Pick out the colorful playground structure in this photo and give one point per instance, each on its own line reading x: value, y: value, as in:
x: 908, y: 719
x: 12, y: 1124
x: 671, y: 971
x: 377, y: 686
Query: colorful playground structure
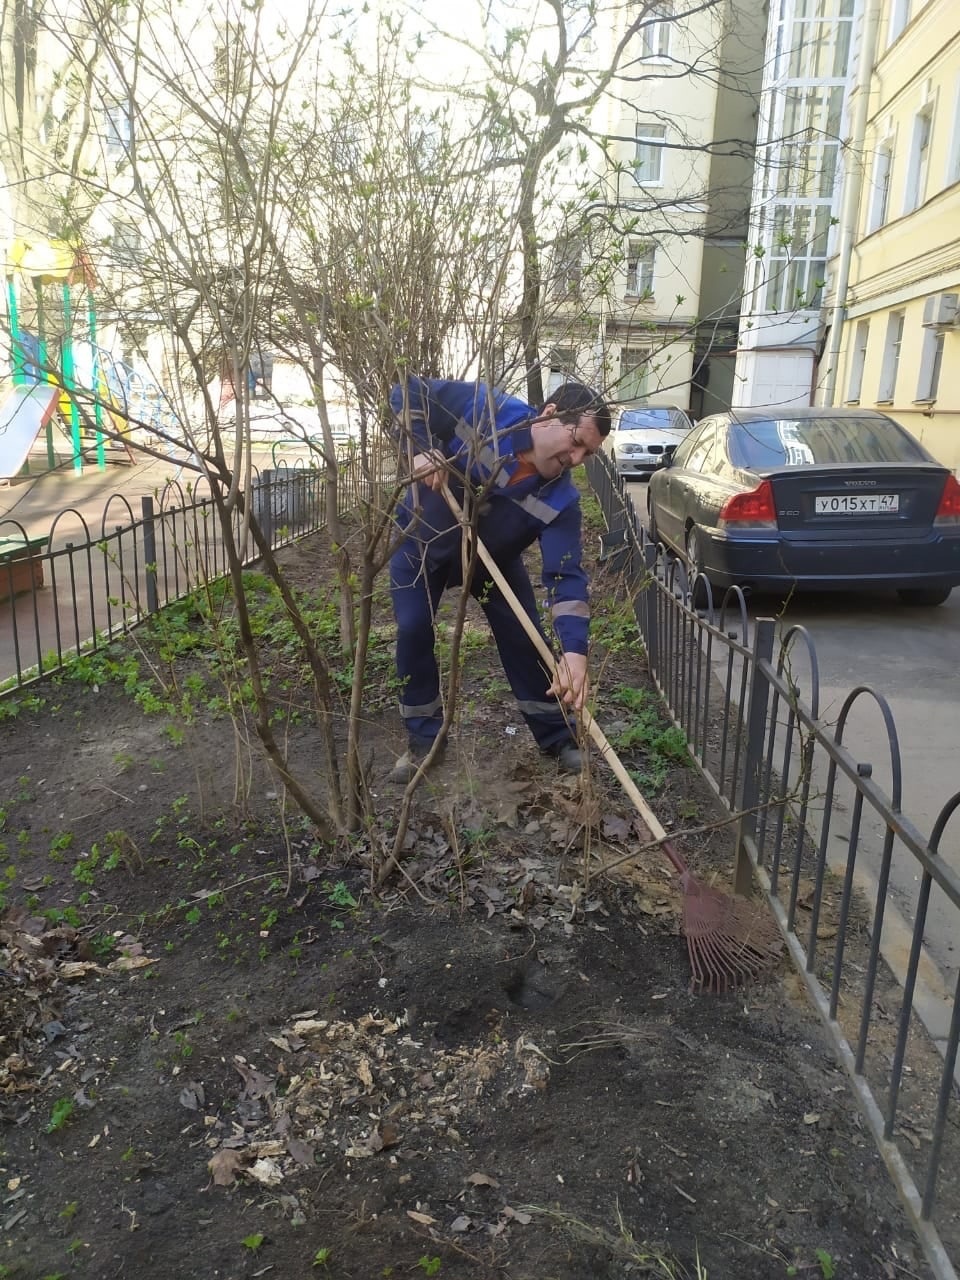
x: 59, y: 376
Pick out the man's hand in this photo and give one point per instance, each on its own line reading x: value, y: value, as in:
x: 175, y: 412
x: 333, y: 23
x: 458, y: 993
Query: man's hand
x: 571, y: 683
x: 429, y: 468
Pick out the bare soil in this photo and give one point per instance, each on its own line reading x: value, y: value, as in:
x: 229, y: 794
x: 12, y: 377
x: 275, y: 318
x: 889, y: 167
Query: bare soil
x: 222, y: 1056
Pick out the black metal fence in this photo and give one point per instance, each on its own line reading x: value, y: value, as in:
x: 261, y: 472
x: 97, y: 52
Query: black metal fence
x: 76, y: 587
x: 847, y: 874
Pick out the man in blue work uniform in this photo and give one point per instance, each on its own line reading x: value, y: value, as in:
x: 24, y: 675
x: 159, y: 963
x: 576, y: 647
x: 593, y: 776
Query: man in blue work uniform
x: 520, y: 460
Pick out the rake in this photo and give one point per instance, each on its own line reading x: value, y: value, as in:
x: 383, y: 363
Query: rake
x: 730, y: 940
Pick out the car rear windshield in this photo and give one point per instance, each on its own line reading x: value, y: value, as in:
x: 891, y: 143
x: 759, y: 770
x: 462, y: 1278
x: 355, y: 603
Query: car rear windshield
x: 802, y: 442
x: 634, y: 419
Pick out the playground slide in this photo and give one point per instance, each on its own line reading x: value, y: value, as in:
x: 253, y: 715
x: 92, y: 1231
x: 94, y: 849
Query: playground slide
x: 24, y: 412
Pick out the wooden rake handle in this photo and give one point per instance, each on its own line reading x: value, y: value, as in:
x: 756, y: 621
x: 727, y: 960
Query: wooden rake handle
x: 596, y: 733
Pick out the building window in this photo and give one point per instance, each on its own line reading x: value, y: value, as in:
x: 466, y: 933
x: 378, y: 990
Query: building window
x: 567, y: 267
x: 640, y: 267
x: 655, y: 33
x: 126, y: 243
x: 880, y: 199
x: 916, y: 188
x: 797, y: 258
x: 119, y: 131
x: 648, y: 160
x: 899, y: 16
x: 858, y: 359
x: 562, y: 367
x: 634, y: 363
x: 953, y: 156
x: 931, y: 360
x: 891, y: 357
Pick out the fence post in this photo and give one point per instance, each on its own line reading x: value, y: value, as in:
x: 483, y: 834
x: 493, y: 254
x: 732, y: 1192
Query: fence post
x: 763, y: 641
x: 263, y: 503
x: 649, y: 608
x: 150, y: 553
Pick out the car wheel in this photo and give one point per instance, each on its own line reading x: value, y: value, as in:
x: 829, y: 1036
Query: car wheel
x: 695, y: 566
x: 651, y: 523
x: 928, y: 596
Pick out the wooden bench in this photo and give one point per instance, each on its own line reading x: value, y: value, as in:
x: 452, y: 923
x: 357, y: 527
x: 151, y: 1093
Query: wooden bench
x: 21, y: 565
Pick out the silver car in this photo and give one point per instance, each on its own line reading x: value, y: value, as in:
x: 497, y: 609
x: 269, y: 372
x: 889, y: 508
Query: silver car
x: 641, y: 434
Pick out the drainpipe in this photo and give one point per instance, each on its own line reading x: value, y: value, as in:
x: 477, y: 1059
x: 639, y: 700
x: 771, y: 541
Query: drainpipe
x: 852, y: 189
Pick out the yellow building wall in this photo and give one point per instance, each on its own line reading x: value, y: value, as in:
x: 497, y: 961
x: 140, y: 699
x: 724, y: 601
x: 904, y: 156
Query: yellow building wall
x: 915, y: 254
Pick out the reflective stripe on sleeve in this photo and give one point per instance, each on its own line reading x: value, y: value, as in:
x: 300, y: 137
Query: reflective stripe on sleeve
x: 571, y: 609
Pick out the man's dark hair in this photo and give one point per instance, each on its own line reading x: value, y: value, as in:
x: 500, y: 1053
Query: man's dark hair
x: 573, y: 400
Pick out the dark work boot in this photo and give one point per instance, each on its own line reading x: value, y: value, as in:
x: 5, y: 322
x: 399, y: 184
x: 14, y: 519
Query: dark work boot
x: 568, y: 756
x: 408, y: 764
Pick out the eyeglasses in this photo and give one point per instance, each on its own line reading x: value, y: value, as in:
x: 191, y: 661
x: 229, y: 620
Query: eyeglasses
x: 574, y: 427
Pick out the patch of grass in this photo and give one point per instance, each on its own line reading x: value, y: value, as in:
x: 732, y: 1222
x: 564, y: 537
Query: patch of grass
x: 663, y: 744
x: 615, y: 628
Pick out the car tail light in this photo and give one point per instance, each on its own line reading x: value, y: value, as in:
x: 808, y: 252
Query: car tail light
x: 948, y: 512
x: 754, y: 510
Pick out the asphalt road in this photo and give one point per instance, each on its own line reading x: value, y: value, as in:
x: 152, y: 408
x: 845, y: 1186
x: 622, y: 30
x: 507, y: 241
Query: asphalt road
x: 912, y: 657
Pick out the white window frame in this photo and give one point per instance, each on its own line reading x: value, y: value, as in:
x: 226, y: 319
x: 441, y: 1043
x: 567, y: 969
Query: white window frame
x: 641, y: 268
x: 931, y: 366
x: 562, y: 367
x: 118, y: 131
x: 953, y: 155
x: 656, y: 33
x: 918, y: 169
x: 567, y: 267
x: 893, y: 341
x: 898, y: 16
x: 880, y: 183
x: 632, y: 360
x: 650, y: 138
x: 858, y: 361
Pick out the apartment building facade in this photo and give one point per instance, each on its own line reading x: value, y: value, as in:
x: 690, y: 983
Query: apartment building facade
x: 899, y: 330
x: 796, y: 199
x: 661, y: 325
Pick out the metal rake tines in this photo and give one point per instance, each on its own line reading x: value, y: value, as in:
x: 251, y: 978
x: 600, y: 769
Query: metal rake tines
x: 730, y: 941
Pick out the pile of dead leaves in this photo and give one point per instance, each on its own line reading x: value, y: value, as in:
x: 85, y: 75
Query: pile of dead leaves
x: 39, y: 963
x: 359, y: 1090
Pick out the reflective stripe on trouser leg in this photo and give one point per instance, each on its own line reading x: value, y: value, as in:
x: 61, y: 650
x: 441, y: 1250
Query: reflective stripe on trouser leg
x: 522, y: 665
x: 415, y: 590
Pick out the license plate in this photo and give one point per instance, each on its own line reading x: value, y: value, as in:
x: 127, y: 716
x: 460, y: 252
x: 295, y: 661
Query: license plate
x: 855, y: 504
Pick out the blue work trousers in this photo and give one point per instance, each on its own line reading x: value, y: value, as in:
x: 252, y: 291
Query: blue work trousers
x: 416, y: 587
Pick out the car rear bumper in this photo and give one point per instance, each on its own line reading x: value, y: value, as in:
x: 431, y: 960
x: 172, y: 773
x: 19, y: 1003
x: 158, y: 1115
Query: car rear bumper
x: 768, y: 564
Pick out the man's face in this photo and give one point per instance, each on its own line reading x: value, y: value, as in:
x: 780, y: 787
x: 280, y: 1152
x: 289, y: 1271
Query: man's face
x: 559, y: 446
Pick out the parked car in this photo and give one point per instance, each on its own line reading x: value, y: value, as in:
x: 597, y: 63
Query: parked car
x: 642, y: 433
x: 810, y: 499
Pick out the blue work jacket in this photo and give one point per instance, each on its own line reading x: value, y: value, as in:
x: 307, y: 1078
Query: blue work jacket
x: 482, y: 433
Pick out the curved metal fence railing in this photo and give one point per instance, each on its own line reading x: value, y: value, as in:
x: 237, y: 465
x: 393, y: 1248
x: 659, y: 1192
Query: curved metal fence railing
x: 825, y: 841
x: 80, y: 584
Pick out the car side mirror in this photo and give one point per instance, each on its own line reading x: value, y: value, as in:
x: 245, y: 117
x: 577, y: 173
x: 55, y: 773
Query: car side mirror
x: 666, y: 458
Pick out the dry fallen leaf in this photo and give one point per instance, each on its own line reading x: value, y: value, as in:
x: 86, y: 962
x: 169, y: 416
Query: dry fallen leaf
x: 301, y: 1151
x: 266, y: 1172
x: 423, y: 1218
x: 124, y: 964
x: 811, y: 1117
x: 225, y: 1166
x: 516, y: 1215
x: 481, y: 1180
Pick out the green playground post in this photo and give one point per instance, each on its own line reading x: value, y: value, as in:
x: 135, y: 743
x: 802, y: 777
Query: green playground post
x: 44, y: 373
x: 16, y: 350
x: 95, y: 374
x: 69, y: 381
